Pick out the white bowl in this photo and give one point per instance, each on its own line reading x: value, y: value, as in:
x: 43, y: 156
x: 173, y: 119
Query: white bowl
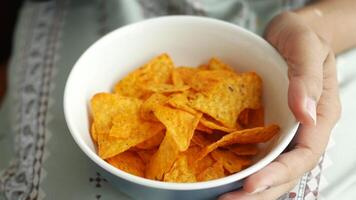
x: 190, y: 41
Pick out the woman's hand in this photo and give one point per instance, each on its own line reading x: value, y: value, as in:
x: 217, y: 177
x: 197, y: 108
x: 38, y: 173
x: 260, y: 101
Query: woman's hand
x: 314, y: 100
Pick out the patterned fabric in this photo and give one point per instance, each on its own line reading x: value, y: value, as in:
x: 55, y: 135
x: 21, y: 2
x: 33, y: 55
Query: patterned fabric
x: 22, y: 178
x: 43, y: 161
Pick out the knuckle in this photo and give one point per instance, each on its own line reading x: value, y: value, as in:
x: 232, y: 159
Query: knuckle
x: 303, y: 35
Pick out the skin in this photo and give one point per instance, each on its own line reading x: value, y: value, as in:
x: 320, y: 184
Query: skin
x: 307, y: 39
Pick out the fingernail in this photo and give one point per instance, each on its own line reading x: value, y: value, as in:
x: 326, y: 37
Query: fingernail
x: 311, y: 108
x: 260, y: 189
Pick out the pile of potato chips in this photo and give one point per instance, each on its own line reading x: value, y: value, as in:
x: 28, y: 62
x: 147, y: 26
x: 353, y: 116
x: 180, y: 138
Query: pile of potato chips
x: 181, y: 124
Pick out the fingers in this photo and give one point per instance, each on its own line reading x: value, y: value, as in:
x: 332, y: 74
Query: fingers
x: 305, y: 54
x: 329, y: 105
x: 268, y: 194
x: 286, y: 167
x: 310, y: 141
x: 306, y: 76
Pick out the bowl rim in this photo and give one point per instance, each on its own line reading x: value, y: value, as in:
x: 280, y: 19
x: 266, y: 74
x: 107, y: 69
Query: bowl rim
x: 168, y: 185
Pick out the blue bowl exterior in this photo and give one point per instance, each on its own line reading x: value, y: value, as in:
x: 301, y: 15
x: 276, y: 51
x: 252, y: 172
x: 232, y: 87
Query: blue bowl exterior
x: 138, y: 192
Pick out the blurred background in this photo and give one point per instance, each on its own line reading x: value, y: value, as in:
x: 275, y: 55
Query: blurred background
x: 8, y: 16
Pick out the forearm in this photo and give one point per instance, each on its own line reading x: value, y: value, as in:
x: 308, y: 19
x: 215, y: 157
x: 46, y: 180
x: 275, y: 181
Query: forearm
x: 334, y: 21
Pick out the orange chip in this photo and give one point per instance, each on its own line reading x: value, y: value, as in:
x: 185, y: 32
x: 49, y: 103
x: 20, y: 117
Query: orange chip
x: 203, y: 67
x: 129, y: 162
x: 243, y: 118
x: 146, y: 155
x: 180, y: 101
x: 201, y: 140
x: 104, y: 107
x: 197, y: 166
x: 152, y: 142
x: 214, y: 172
x: 229, y: 97
x: 230, y: 161
x: 246, y: 136
x: 109, y: 146
x: 163, y: 159
x: 205, y: 80
x: 156, y: 71
x: 244, y: 149
x: 179, y: 124
x: 127, y: 119
x: 204, y: 129
x: 251, y: 118
x: 180, y: 172
x: 128, y: 123
x: 94, y: 134
x: 256, y: 118
x: 166, y: 88
x: 192, y: 153
x: 201, y: 165
x: 150, y: 105
x: 176, y: 78
x: 211, y: 124
x: 186, y: 73
x: 216, y: 64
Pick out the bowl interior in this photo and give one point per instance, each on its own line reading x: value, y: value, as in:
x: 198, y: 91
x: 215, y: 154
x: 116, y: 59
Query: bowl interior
x: 190, y: 41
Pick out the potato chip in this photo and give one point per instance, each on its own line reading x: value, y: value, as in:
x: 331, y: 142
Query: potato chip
x: 216, y: 64
x: 157, y: 71
x: 166, y: 88
x: 152, y: 142
x: 150, y: 105
x: 246, y: 136
x: 216, y: 126
x: 180, y: 172
x: 129, y: 162
x: 229, y: 97
x: 214, y: 172
x: 179, y: 124
x: 231, y: 162
x: 244, y: 149
x: 163, y: 159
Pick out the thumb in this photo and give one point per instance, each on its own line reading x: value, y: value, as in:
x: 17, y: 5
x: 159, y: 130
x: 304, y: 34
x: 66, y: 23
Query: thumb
x: 302, y: 100
x: 305, y: 53
x: 306, y: 83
